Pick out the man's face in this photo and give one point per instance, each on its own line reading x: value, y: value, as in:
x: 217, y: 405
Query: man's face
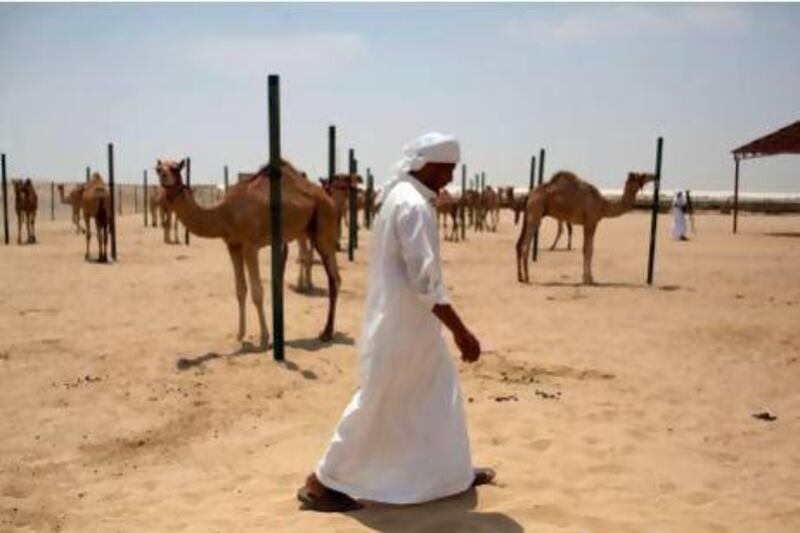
x: 435, y: 175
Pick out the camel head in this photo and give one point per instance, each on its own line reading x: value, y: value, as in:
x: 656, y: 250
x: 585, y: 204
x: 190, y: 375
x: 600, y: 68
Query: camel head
x: 637, y: 180
x: 169, y: 176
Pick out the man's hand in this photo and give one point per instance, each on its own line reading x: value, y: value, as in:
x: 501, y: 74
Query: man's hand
x: 465, y: 340
x: 469, y: 346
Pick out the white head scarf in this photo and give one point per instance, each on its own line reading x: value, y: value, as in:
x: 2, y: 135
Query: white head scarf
x: 429, y: 148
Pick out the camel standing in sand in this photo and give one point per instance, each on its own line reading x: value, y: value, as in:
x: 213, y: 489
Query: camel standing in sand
x: 518, y: 203
x: 447, y: 206
x: 160, y: 207
x: 567, y: 198
x: 490, y: 206
x: 26, y: 203
x: 242, y: 220
x: 73, y: 199
x: 96, y: 204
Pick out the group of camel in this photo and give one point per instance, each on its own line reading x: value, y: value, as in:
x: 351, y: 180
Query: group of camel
x: 313, y: 215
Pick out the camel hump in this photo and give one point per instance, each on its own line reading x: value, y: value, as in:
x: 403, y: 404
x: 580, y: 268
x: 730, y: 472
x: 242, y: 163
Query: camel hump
x: 564, y: 176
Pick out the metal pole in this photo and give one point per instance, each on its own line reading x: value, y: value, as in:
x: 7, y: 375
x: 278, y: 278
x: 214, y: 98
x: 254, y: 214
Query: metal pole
x: 88, y: 173
x: 146, y: 206
x: 189, y: 185
x: 113, y: 213
x: 226, y: 179
x: 331, y: 173
x: 135, y: 199
x: 536, y: 232
x: 352, y: 208
x: 532, y: 182
x: 52, y: 201
x: 275, y: 204
x: 368, y: 200
x: 463, y: 202
x: 5, y: 199
x: 654, y: 216
x: 736, y: 197
x: 119, y: 197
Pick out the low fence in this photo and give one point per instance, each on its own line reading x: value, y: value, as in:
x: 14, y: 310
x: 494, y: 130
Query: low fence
x: 129, y: 199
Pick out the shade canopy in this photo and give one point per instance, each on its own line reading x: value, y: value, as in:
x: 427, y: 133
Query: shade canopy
x: 783, y: 141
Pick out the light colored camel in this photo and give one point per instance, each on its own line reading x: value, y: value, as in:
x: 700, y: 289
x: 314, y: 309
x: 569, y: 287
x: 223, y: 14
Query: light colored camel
x: 567, y: 198
x: 518, y: 203
x: 96, y: 204
x: 73, y: 199
x: 26, y: 203
x: 152, y: 199
x: 447, y: 206
x: 242, y: 220
x: 159, y: 206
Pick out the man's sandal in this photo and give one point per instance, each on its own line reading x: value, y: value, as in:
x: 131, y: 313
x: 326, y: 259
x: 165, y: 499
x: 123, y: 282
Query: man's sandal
x: 331, y: 501
x: 483, y: 476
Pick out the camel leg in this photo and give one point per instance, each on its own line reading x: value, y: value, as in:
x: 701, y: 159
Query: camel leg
x: 256, y: 290
x: 99, y: 230
x: 530, y: 224
x: 175, y: 238
x: 87, y: 221
x: 237, y: 260
x: 32, y: 227
x: 305, y: 258
x: 332, y: 271
x: 558, y: 235
x: 569, y: 236
x: 588, y: 250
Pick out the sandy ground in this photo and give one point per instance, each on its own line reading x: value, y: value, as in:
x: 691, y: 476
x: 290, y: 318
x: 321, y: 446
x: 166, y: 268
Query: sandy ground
x: 128, y: 405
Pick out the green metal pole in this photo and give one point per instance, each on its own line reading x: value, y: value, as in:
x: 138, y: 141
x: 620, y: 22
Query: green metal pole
x: 113, y: 220
x: 5, y: 199
x: 52, y: 201
x: 463, y: 202
x: 189, y: 185
x: 352, y: 207
x: 654, y: 215
x: 88, y: 173
x: 275, y: 208
x: 736, y: 197
x: 146, y: 206
x: 226, y: 179
x: 540, y: 181
x: 368, y: 200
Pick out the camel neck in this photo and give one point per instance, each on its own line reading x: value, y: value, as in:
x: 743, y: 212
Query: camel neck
x: 198, y: 220
x: 621, y: 206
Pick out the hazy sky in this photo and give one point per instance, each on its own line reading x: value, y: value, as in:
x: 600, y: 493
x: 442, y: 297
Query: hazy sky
x: 593, y: 84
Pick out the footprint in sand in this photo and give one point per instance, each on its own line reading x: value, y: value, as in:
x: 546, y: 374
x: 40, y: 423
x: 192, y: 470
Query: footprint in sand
x: 541, y: 444
x: 699, y: 498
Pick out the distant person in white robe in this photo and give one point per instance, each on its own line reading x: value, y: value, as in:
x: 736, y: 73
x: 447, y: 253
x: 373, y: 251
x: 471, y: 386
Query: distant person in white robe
x: 679, y: 204
x: 403, y: 437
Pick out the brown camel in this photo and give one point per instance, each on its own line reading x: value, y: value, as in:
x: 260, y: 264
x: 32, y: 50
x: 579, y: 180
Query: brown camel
x: 26, y: 202
x: 447, y: 206
x: 558, y: 235
x: 73, y: 199
x: 518, y: 203
x: 96, y: 203
x: 338, y: 188
x: 242, y: 220
x: 152, y: 199
x: 490, y: 206
x: 567, y: 198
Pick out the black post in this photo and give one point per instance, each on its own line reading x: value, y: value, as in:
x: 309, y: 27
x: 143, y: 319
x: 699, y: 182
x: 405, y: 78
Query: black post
x: 536, y: 232
x: 113, y: 221
x: 135, y: 199
x: 52, y: 201
x: 463, y: 202
x: 331, y: 173
x: 119, y: 197
x: 654, y: 216
x: 226, y: 179
x: 146, y: 205
x: 88, y: 173
x: 352, y: 207
x: 189, y: 185
x: 368, y: 200
x: 5, y: 199
x: 275, y: 204
x: 532, y: 182
x: 736, y: 196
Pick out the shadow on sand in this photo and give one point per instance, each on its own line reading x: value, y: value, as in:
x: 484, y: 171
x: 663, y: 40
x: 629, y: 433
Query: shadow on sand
x: 790, y: 234
x: 312, y: 344
x: 450, y: 514
x: 186, y: 363
x: 314, y: 292
x: 605, y: 285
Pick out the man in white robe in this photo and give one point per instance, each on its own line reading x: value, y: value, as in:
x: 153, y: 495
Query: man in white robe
x: 679, y: 216
x: 403, y: 438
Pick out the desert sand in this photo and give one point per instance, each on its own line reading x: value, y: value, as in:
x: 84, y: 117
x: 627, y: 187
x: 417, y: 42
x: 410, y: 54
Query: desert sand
x: 126, y: 403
